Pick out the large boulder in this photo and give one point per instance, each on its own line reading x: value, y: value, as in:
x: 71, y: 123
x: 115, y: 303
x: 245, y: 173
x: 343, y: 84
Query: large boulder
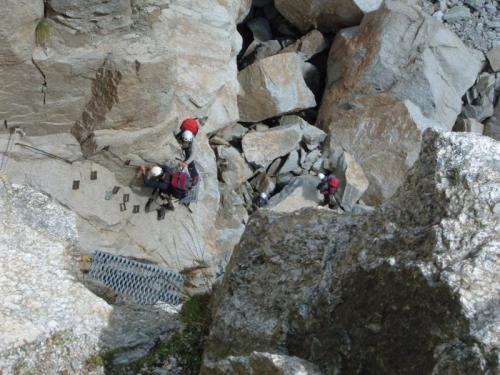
x: 262, y: 147
x: 396, y: 74
x: 233, y: 168
x: 272, y: 87
x: 411, y: 288
x: 327, y: 16
x: 49, y: 321
x: 299, y: 193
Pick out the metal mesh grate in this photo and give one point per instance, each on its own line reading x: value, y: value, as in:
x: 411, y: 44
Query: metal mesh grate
x: 192, y: 195
x: 141, y: 283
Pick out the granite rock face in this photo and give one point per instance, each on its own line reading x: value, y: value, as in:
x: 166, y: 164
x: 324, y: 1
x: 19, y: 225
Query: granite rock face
x: 395, y: 75
x: 411, y: 288
x: 50, y: 321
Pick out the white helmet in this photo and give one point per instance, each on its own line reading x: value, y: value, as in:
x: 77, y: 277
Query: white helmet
x: 321, y: 176
x: 263, y: 195
x: 156, y: 171
x: 187, y: 136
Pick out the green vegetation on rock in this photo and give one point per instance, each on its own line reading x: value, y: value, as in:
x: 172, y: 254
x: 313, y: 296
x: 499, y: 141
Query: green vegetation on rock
x: 185, y: 346
x: 42, y: 31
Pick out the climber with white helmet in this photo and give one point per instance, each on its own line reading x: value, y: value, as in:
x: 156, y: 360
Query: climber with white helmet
x: 158, y: 178
x: 189, y: 146
x: 259, y: 201
x: 328, y: 187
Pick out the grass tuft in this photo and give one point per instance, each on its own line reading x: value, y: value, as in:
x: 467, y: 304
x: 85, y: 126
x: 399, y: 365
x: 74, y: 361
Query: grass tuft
x: 42, y: 32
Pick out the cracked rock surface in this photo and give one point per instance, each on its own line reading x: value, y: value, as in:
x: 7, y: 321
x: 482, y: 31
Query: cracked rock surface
x: 412, y: 288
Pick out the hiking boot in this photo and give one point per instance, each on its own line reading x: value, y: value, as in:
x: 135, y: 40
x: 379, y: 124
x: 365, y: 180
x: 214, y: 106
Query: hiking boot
x: 161, y: 213
x: 148, y: 204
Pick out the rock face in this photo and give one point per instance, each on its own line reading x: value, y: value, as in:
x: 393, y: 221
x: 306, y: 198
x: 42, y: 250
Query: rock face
x: 50, y: 322
x: 81, y: 75
x: 261, y: 148
x: 119, y: 77
x: 397, y: 74
x: 412, y: 288
x: 327, y: 16
x: 273, y: 86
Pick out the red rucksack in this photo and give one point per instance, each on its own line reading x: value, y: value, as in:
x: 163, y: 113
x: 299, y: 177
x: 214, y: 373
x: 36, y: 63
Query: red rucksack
x: 180, y: 183
x: 190, y: 124
x: 333, y: 184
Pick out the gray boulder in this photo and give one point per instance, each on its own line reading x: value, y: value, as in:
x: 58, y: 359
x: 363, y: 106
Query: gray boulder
x: 291, y: 163
x: 262, y: 183
x: 411, y: 288
x: 326, y: 16
x: 493, y: 56
x: 311, y: 134
x: 353, y: 181
x: 309, y: 45
x: 232, y: 133
x: 273, y: 86
x: 376, y: 110
x: 481, y: 98
x: 301, y: 192
x: 233, y: 167
x: 262, y: 147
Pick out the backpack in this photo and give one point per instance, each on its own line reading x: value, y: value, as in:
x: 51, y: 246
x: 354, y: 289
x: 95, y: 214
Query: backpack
x: 180, y: 183
x: 333, y: 184
x: 190, y: 124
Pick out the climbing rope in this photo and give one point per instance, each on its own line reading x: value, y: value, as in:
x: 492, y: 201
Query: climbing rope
x: 43, y: 152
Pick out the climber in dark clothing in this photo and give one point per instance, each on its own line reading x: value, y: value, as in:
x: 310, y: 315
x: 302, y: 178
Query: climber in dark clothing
x: 158, y: 178
x: 189, y: 147
x: 328, y: 187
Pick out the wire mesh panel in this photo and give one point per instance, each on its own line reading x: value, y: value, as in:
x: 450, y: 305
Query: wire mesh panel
x: 141, y: 283
x: 192, y: 195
